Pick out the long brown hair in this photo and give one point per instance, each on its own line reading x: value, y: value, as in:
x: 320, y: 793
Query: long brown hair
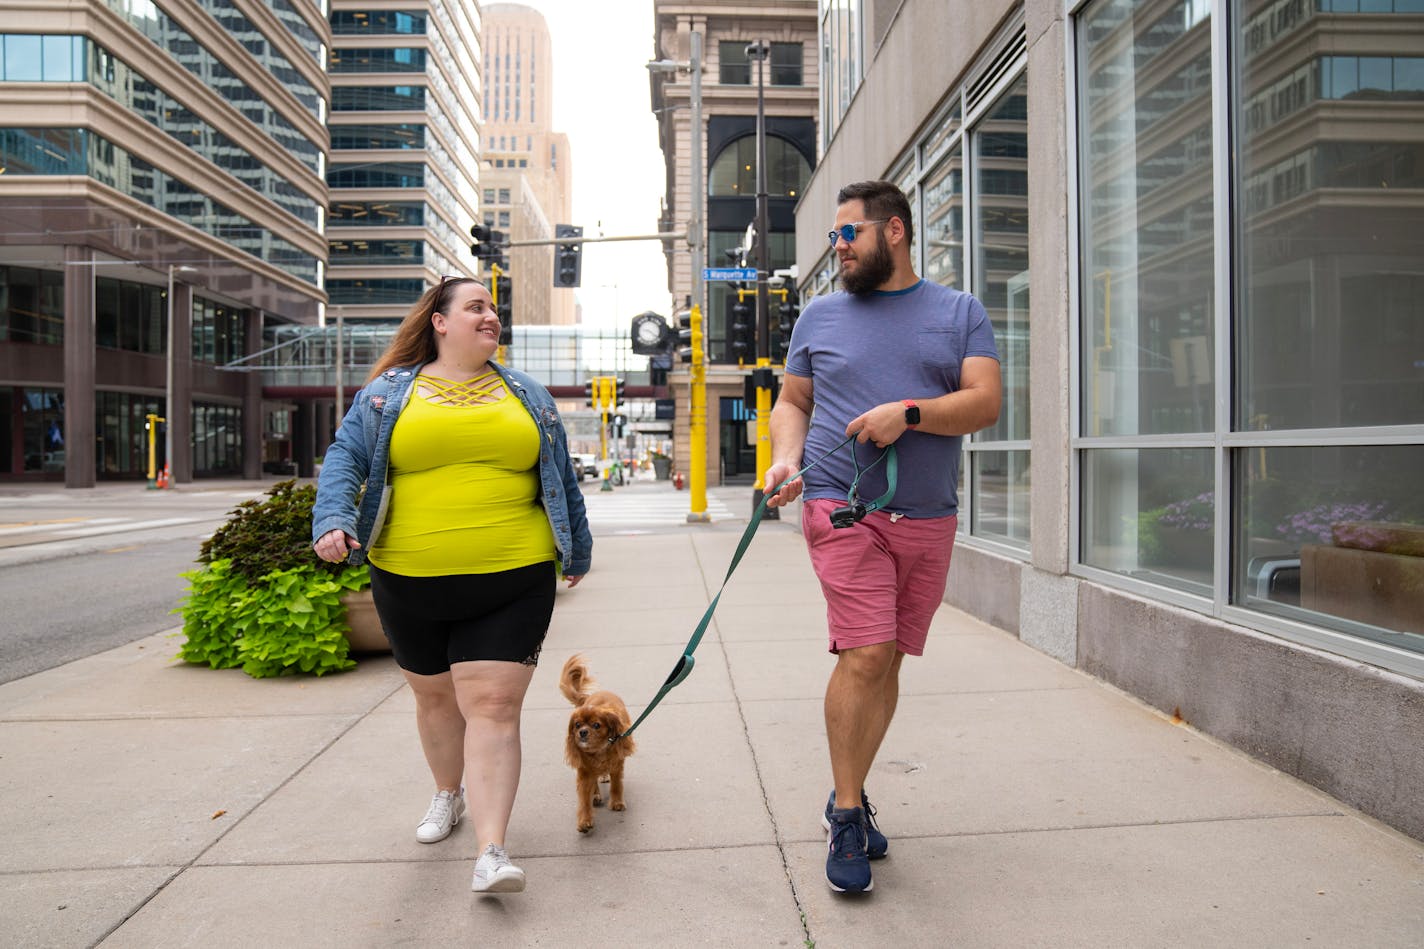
x: 414, y: 342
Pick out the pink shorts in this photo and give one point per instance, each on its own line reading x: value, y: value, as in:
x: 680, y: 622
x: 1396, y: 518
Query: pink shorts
x: 883, y: 579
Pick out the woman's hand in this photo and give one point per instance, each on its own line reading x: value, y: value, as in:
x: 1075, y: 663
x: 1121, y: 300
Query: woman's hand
x: 573, y: 581
x: 334, y: 545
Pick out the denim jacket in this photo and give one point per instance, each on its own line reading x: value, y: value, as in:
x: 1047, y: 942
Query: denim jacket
x: 360, y: 457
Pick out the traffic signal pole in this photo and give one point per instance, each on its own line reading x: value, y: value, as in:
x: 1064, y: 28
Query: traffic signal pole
x: 761, y: 375
x: 697, y: 398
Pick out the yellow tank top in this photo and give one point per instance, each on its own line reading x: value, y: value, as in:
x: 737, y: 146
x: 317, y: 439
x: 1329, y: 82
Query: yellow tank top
x: 464, y: 475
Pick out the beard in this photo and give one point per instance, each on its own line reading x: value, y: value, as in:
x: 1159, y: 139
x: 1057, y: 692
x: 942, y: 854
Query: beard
x: 872, y: 269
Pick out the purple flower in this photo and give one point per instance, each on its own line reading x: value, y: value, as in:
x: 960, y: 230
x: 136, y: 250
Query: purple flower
x: 1313, y: 526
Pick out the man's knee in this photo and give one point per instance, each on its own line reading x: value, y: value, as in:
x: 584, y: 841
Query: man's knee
x: 868, y: 664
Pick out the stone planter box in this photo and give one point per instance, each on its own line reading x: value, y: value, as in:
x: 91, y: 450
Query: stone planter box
x: 366, y: 634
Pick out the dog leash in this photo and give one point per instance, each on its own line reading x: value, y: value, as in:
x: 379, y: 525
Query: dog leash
x: 683, y: 668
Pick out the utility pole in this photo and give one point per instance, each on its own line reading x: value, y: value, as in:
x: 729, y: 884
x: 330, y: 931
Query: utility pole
x: 762, y: 375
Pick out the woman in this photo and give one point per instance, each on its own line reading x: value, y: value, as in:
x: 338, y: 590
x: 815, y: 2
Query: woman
x: 470, y: 504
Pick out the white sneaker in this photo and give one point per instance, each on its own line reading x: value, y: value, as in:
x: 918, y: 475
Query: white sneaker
x: 495, y: 874
x: 445, y: 812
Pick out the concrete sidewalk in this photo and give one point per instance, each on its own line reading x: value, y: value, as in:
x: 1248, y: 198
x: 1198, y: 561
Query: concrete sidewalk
x: 149, y: 803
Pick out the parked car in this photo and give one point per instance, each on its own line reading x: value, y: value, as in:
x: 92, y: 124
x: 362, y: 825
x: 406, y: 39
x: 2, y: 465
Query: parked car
x: 585, y: 466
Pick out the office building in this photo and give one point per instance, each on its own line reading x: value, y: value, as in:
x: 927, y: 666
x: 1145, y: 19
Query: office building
x: 161, y: 166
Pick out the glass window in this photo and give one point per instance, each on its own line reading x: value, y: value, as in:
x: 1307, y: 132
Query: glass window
x: 401, y: 59
x: 943, y: 223
x: 376, y: 22
x: 389, y: 291
x: 24, y: 58
x: 1149, y: 513
x: 1001, y: 282
x: 734, y: 67
x: 377, y: 252
x: 217, y: 439
x: 842, y: 65
x: 733, y: 172
x: 376, y: 175
x: 1147, y: 281
x: 1331, y: 272
x: 785, y: 64
x: 401, y: 135
x: 121, y: 430
x: 377, y: 98
x: 42, y: 430
x: 1334, y: 536
x: 376, y: 213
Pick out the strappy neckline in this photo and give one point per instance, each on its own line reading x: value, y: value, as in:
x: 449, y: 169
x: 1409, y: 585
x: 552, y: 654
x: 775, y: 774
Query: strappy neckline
x: 485, y: 389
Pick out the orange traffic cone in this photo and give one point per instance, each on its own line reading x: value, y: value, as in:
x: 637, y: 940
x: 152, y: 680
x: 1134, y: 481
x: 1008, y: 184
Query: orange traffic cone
x: 163, y: 477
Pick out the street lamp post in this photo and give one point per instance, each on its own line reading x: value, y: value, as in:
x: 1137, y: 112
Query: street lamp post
x: 761, y: 375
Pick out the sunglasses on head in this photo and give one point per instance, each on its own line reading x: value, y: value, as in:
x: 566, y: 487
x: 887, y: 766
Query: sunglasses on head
x: 849, y: 232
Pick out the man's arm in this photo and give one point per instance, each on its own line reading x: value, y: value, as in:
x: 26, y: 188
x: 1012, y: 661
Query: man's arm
x: 970, y: 408
x: 790, y: 421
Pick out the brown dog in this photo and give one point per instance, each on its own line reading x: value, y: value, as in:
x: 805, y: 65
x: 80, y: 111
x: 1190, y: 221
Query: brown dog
x: 597, y: 717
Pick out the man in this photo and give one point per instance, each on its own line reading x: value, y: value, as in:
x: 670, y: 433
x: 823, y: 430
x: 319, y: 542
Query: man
x: 894, y: 360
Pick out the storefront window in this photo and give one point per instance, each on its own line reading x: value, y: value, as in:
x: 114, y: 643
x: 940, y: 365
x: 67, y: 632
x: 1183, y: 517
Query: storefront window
x: 1001, y: 269
x: 943, y: 225
x: 42, y: 430
x: 1330, y: 328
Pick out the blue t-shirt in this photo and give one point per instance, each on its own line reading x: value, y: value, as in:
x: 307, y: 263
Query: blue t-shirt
x: 862, y: 350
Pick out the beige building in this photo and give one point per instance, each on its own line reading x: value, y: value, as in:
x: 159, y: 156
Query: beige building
x: 527, y: 175
x: 790, y: 75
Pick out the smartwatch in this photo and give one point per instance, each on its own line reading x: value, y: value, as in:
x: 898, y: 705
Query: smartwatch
x: 912, y: 413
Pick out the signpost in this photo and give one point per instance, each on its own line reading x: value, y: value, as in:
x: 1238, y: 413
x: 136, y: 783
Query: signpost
x: 729, y: 273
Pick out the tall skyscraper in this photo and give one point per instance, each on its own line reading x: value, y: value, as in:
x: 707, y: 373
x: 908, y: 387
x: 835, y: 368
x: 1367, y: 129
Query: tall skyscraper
x: 405, y: 140
x: 527, y: 176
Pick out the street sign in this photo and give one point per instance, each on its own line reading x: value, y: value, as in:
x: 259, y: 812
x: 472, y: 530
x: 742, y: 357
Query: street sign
x: 729, y: 273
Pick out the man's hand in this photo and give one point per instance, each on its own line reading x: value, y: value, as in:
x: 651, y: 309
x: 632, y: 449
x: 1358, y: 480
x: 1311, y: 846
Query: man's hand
x: 882, y: 425
x: 776, y: 474
x: 334, y: 544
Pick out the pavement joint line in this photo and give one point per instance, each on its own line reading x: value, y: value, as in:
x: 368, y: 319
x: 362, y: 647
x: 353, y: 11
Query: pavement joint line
x: 776, y: 835
x: 184, y: 868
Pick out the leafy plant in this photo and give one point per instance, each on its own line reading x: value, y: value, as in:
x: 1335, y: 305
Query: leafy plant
x: 265, y: 602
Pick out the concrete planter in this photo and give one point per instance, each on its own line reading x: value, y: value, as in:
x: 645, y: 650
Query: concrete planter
x: 366, y: 634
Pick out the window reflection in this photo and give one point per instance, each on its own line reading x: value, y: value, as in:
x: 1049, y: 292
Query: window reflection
x: 1329, y: 228
x: 1335, y: 534
x: 1147, y: 282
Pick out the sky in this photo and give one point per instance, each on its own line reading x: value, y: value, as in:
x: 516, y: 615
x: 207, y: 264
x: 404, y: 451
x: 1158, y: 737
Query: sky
x: 601, y: 102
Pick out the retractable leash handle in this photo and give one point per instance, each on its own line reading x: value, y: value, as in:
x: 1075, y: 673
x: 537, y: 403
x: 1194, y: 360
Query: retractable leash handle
x: 684, y: 665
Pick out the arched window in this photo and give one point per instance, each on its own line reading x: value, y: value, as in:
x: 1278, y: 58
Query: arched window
x: 734, y: 172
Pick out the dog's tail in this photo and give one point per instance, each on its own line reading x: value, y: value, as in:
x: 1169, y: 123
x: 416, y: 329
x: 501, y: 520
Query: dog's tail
x: 576, y: 682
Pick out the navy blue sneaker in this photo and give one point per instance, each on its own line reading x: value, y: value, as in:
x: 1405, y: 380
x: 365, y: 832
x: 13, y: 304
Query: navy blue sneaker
x: 876, y: 845
x: 847, y: 866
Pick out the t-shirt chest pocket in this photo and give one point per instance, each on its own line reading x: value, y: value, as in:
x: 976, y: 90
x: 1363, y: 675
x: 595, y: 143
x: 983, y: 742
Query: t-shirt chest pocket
x: 942, y: 348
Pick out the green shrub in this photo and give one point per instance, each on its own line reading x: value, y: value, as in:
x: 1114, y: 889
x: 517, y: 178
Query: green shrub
x: 264, y: 601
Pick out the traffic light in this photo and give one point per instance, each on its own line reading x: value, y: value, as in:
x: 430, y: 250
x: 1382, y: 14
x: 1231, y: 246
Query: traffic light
x: 684, y: 335
x: 617, y: 392
x: 743, y: 330
x: 568, y: 258
x: 481, y: 246
x: 590, y: 392
x: 504, y: 306
x: 488, y: 245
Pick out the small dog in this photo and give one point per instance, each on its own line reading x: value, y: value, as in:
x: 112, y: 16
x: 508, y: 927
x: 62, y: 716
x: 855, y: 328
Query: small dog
x: 597, y: 717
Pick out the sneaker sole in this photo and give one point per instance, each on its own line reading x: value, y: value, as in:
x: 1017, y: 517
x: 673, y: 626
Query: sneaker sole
x: 839, y: 889
x: 501, y: 884
x: 826, y: 826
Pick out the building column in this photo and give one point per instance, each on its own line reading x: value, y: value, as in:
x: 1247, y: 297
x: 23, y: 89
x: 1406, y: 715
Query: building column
x: 180, y: 414
x: 253, y: 422
x: 79, y: 426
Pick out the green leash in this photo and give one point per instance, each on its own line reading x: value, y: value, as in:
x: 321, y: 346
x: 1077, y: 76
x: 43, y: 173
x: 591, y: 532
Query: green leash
x: 683, y: 668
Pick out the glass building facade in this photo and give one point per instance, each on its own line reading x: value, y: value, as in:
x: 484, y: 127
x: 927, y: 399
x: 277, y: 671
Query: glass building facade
x: 164, y: 196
